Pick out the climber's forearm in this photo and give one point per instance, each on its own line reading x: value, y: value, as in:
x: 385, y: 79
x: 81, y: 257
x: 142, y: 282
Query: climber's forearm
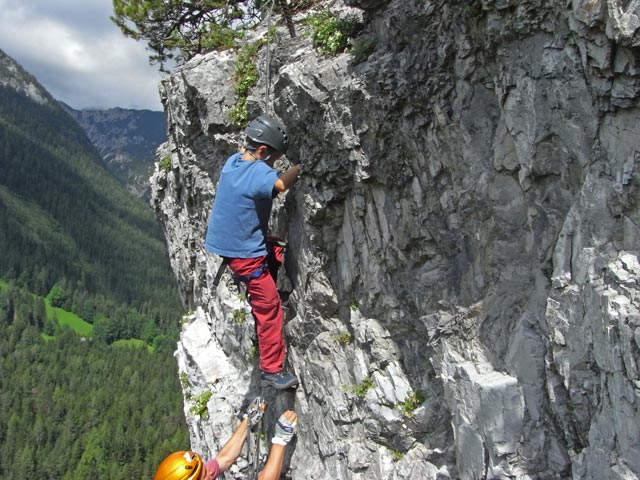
x: 232, y: 449
x: 287, y: 179
x: 273, y: 467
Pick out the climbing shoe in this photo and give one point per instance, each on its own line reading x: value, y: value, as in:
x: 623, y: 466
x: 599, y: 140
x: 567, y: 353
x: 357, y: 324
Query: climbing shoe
x: 279, y: 381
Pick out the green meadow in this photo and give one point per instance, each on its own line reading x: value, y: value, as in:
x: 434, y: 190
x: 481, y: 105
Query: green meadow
x: 64, y: 317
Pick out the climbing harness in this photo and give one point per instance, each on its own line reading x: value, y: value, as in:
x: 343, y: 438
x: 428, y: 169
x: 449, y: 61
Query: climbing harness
x: 271, y: 242
x: 221, y: 269
x: 255, y: 274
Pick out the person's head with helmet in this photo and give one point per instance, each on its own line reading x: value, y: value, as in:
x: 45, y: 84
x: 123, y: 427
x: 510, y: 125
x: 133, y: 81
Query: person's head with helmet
x: 189, y: 465
x: 183, y: 465
x: 267, y: 139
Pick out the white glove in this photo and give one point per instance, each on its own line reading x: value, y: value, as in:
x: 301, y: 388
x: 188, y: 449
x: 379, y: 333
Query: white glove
x: 285, y: 430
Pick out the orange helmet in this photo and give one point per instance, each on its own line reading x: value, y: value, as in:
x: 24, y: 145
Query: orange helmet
x: 183, y: 465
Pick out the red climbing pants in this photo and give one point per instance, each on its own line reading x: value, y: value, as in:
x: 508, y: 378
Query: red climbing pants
x: 266, y: 308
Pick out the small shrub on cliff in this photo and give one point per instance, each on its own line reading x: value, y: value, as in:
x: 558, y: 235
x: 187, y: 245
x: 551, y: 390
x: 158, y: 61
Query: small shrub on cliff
x: 184, y: 380
x: 165, y: 163
x: 330, y: 34
x: 200, y: 408
x: 238, y: 113
x: 397, y: 455
x: 362, y: 48
x: 252, y: 353
x: 344, y: 338
x: 246, y: 74
x: 413, y: 401
x: 239, y: 317
x: 246, y: 77
x: 360, y: 390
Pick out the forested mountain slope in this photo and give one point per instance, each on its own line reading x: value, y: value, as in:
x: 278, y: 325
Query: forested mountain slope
x: 62, y: 214
x: 105, y: 403
x: 77, y: 409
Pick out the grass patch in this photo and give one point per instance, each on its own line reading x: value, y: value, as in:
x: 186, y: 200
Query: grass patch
x: 3, y: 285
x: 133, y: 343
x: 63, y: 317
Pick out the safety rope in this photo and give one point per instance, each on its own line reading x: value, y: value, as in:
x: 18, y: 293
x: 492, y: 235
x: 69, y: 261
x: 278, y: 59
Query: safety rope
x: 255, y: 437
x: 267, y: 103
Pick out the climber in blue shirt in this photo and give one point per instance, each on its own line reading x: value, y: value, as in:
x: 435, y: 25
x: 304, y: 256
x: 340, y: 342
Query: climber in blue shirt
x: 238, y: 231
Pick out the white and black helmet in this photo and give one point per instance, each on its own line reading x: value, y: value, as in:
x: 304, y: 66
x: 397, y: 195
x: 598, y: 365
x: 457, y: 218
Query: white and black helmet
x: 268, y: 131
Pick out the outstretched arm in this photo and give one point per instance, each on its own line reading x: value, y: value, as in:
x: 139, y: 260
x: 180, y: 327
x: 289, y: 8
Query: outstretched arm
x: 232, y: 449
x: 285, y: 430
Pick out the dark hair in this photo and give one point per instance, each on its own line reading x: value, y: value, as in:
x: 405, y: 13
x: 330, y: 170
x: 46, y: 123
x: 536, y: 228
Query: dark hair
x: 253, y: 146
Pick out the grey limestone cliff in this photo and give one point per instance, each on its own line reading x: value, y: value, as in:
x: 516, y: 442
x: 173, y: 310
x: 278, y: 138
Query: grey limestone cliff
x: 463, y: 243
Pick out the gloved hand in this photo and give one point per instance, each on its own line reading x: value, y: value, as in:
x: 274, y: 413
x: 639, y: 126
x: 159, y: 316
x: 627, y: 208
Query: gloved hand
x: 285, y: 428
x: 255, y: 411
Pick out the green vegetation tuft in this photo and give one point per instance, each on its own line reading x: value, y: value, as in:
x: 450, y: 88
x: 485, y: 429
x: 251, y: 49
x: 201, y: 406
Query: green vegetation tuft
x: 414, y: 400
x: 362, y: 48
x: 330, y: 34
x: 239, y: 317
x: 239, y: 114
x: 252, y: 353
x: 397, y: 455
x: 343, y: 338
x: 245, y: 77
x: 165, y: 163
x: 360, y: 390
x: 246, y: 73
x: 200, y: 408
x: 184, y: 381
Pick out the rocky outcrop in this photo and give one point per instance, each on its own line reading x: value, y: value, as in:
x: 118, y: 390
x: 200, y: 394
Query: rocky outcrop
x: 127, y: 141
x: 14, y: 77
x: 464, y: 242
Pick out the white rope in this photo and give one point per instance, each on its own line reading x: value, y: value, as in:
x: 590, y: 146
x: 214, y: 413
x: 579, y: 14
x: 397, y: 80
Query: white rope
x: 268, y: 62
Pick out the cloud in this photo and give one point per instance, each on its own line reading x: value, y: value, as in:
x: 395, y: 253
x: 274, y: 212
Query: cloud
x: 78, y: 54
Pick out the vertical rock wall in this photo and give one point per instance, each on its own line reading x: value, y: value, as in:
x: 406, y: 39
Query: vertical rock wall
x: 463, y: 262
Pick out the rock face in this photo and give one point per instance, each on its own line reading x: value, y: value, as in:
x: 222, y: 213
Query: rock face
x: 464, y: 242
x: 127, y: 141
x: 14, y: 77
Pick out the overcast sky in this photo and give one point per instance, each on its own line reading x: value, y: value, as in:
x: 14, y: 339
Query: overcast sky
x: 78, y: 54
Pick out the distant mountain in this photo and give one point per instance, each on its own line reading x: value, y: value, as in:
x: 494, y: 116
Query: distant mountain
x: 63, y: 215
x: 127, y: 141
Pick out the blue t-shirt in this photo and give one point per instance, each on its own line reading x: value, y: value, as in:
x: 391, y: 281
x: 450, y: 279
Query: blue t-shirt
x: 241, y: 210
